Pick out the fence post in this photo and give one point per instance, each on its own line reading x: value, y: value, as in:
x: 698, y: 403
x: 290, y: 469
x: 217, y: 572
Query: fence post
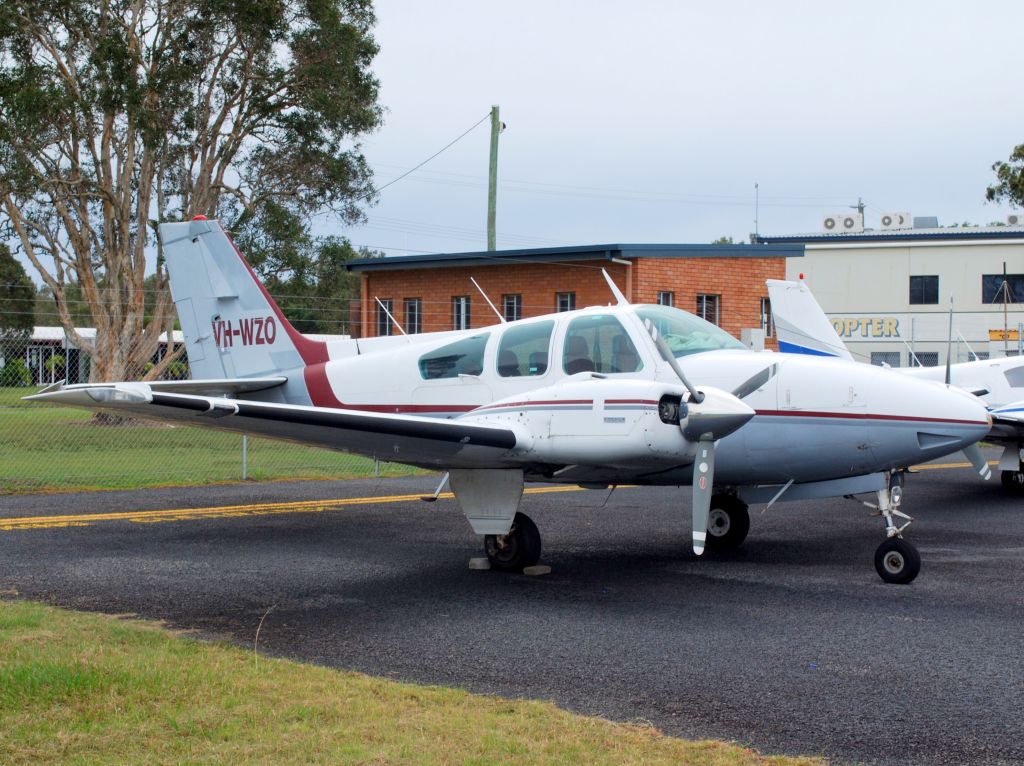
x: 245, y: 457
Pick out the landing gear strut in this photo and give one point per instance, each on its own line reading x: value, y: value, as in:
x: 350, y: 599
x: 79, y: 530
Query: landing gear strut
x: 728, y: 522
x: 519, y: 549
x: 896, y: 560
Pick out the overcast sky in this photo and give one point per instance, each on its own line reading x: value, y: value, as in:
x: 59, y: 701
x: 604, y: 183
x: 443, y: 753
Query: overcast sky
x: 652, y: 121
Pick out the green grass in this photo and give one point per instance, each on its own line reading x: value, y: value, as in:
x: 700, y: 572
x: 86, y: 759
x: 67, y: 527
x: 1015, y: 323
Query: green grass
x: 84, y: 688
x: 43, y: 447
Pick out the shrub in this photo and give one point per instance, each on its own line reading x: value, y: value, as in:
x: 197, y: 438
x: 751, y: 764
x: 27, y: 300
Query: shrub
x: 15, y: 374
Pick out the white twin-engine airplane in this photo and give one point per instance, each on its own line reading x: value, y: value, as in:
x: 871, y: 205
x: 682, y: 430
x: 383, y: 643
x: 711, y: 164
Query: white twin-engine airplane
x: 596, y: 397
x: 803, y: 328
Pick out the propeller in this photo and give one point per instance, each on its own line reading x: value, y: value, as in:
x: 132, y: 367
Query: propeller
x: 977, y: 459
x: 711, y: 415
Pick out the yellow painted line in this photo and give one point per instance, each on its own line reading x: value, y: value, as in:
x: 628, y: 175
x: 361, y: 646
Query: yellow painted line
x: 940, y: 466
x: 227, y: 511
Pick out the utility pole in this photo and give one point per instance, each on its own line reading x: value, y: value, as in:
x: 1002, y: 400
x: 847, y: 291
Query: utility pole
x: 492, y: 180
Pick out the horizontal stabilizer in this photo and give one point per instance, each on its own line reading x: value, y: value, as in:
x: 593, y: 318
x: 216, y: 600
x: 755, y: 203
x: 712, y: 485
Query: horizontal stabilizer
x: 221, y: 387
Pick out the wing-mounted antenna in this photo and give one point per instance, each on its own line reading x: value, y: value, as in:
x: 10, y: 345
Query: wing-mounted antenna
x: 619, y: 297
x: 381, y: 304
x: 495, y: 310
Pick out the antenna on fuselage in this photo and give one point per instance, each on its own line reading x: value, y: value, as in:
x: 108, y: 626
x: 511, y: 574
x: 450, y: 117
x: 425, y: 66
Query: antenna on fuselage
x: 493, y: 308
x: 379, y: 303
x: 619, y: 297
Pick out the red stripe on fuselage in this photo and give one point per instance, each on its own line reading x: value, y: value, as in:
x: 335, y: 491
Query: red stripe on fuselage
x: 864, y: 416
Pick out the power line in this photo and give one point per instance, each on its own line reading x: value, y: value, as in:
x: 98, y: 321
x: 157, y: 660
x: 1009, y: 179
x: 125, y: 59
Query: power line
x: 428, y: 159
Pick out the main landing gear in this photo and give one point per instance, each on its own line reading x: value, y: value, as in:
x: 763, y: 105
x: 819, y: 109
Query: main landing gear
x: 519, y: 549
x: 896, y: 560
x: 1013, y: 481
x: 728, y: 522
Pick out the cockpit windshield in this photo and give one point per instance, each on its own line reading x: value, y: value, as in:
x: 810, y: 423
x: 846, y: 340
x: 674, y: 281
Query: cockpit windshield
x: 685, y: 333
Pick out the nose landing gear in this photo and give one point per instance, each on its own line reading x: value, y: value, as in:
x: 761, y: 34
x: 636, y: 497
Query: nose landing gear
x: 896, y: 560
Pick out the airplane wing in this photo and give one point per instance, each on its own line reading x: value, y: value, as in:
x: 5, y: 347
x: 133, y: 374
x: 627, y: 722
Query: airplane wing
x: 420, y: 441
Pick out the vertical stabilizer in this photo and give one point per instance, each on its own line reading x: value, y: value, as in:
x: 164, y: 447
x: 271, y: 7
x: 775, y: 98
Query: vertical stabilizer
x: 800, y: 323
x: 232, y: 327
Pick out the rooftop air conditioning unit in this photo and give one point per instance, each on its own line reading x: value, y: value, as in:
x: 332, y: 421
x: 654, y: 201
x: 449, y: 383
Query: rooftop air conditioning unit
x: 897, y: 221
x: 843, y: 223
x: 1015, y: 219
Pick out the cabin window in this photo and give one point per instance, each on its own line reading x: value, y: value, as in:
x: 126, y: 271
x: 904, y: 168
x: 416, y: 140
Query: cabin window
x: 463, y: 357
x: 686, y: 334
x: 599, y: 343
x: 512, y: 306
x: 523, y: 350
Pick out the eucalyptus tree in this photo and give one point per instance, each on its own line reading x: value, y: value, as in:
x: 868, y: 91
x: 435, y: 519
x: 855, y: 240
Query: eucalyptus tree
x: 118, y: 114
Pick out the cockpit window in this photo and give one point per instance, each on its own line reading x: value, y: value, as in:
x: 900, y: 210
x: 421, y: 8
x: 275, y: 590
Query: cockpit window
x: 599, y: 343
x: 685, y: 333
x: 463, y: 357
x: 523, y: 350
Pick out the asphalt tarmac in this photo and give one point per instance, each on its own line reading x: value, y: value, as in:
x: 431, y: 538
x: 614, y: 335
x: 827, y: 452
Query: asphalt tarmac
x: 791, y: 644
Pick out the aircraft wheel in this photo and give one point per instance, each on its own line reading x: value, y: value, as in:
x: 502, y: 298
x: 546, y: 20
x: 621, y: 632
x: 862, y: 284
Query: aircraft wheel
x: 728, y: 522
x: 897, y: 561
x: 518, y: 549
x: 1013, y: 481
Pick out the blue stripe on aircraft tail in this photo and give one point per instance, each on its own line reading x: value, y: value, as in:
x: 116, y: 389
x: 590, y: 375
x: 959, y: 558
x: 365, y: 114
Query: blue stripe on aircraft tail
x: 793, y: 348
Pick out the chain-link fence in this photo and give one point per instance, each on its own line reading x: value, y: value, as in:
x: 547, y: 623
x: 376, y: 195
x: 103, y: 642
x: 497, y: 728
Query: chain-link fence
x: 46, y: 447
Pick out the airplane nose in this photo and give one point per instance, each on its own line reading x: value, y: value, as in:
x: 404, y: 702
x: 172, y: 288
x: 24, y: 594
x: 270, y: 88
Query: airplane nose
x: 947, y: 419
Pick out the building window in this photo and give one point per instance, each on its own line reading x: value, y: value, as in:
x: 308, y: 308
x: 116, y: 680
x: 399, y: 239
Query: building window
x: 413, y: 315
x: 993, y: 289
x: 460, y: 312
x: 924, y: 359
x: 885, y: 358
x: 383, y: 321
x: 767, y: 322
x: 707, y: 308
x: 666, y: 298
x: 512, y: 307
x: 924, y: 289
x: 565, y: 301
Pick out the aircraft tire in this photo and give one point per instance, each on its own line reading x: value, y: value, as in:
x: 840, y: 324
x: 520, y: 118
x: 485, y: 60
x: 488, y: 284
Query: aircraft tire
x: 897, y: 561
x: 1013, y: 482
x: 728, y: 523
x: 518, y: 549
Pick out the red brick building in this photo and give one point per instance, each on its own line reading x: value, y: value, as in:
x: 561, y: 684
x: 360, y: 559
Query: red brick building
x: 427, y: 293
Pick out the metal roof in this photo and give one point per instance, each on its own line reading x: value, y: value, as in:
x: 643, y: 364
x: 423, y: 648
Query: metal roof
x: 878, y: 235
x: 577, y: 253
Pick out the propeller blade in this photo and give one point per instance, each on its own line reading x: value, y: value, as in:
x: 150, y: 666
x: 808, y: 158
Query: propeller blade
x: 749, y: 386
x: 703, y: 482
x: 973, y: 454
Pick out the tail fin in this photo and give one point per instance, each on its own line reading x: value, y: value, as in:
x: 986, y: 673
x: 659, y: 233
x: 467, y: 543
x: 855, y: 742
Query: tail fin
x: 800, y: 323
x: 232, y: 327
